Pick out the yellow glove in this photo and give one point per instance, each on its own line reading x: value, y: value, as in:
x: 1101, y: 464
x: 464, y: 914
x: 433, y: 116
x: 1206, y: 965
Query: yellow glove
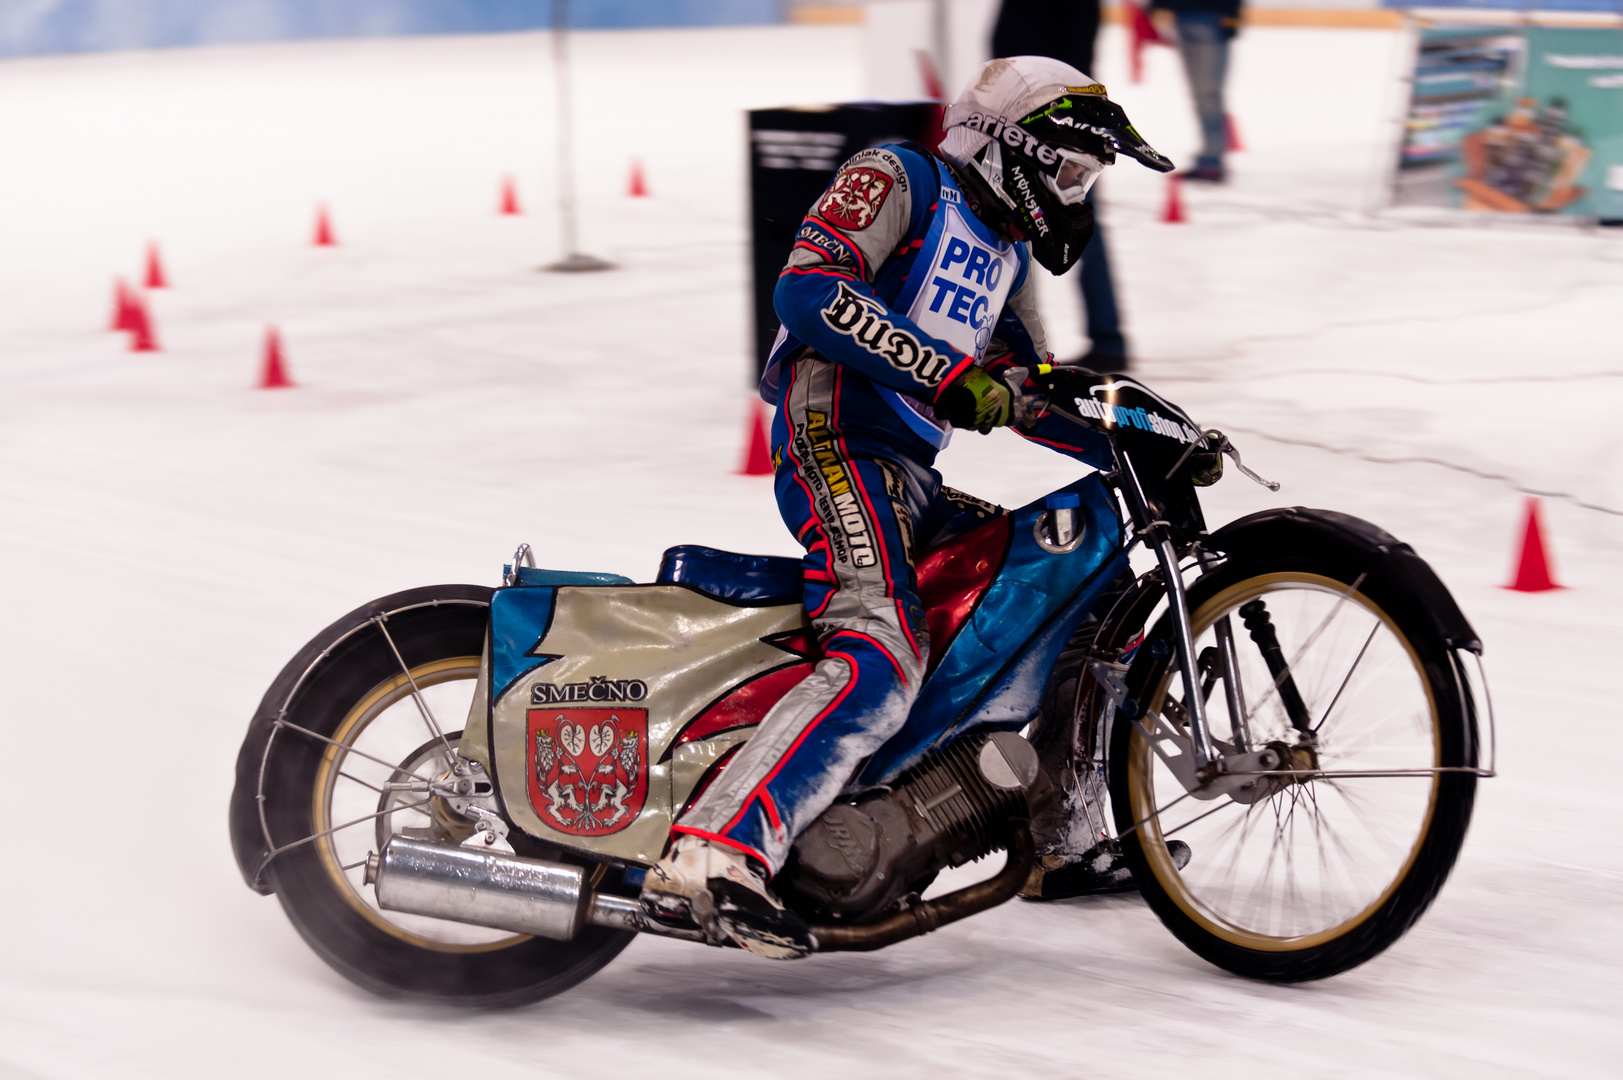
x: 975, y: 400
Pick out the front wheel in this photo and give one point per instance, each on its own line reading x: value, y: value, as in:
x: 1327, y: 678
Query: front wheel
x: 375, y: 717
x: 1352, y: 822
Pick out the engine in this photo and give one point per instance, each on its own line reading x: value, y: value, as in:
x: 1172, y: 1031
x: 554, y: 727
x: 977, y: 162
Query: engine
x: 866, y: 854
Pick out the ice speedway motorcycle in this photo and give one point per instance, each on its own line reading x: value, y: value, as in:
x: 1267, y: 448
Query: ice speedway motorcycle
x: 455, y: 790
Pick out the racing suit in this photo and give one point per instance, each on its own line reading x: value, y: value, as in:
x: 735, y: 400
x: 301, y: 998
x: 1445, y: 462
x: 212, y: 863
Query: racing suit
x: 893, y: 289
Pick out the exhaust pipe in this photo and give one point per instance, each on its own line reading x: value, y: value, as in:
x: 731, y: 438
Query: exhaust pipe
x: 552, y: 900
x: 504, y: 892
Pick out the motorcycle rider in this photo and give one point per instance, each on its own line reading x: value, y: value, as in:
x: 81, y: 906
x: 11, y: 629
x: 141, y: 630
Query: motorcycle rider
x: 908, y: 291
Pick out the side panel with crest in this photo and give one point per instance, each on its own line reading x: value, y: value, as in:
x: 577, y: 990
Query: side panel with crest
x: 609, y: 703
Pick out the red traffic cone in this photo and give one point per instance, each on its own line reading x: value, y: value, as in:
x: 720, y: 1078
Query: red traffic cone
x: 155, y: 278
x: 123, y: 306
x: 1140, y: 32
x: 1233, y: 132
x: 142, y: 338
x: 1533, y: 565
x: 639, y: 187
x: 757, y: 447
x: 509, y: 198
x: 1173, y: 213
x: 274, y: 374
x: 324, y: 234
x: 929, y: 77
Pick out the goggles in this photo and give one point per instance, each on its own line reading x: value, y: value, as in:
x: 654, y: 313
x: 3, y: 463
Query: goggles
x: 1073, y: 175
x: 1065, y: 172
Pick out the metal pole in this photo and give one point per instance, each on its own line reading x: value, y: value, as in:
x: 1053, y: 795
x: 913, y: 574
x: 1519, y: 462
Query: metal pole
x: 566, y: 161
x: 573, y: 261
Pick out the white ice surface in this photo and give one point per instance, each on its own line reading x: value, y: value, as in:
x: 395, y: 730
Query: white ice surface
x: 170, y: 536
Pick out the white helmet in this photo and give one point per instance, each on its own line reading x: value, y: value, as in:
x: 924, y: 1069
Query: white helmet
x: 1029, y: 137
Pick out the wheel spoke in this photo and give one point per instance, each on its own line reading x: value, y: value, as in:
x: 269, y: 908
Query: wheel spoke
x: 1342, y: 688
x: 416, y: 692
x: 1358, y: 880
x: 339, y: 828
x: 1156, y: 814
x: 1275, y: 684
x: 1200, y: 817
x: 358, y: 780
x: 345, y: 747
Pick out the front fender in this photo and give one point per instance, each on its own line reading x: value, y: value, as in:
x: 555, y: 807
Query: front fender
x: 1298, y: 528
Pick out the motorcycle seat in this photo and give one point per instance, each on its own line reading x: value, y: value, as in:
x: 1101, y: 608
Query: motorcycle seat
x: 728, y: 575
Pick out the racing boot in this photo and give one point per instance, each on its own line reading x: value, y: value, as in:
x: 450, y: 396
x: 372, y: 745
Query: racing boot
x: 669, y: 887
x: 723, y: 892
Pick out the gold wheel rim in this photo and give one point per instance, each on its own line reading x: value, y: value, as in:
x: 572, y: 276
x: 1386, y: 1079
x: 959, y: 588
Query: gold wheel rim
x: 378, y: 701
x: 1141, y: 792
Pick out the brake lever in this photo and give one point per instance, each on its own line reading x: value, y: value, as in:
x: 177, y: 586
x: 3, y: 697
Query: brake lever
x: 1226, y: 447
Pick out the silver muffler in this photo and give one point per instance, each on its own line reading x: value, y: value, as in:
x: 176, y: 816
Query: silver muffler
x: 489, y: 888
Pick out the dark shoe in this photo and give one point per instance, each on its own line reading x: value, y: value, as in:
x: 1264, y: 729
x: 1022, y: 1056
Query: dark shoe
x: 1206, y: 174
x: 1101, y: 870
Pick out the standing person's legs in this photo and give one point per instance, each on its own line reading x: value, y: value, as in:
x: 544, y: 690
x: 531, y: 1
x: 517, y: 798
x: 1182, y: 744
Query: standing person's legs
x: 1108, y: 351
x: 1204, y: 43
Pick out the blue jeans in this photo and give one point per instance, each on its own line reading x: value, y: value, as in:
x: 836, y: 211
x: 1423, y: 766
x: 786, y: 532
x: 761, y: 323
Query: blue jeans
x: 1099, y: 293
x: 1204, y: 42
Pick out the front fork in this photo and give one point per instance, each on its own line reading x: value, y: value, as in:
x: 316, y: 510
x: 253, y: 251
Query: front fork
x: 1207, y: 758
x: 1157, y: 536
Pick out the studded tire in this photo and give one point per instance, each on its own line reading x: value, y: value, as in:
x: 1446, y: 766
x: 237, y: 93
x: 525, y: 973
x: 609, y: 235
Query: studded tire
x: 1282, y: 888
x: 439, y: 633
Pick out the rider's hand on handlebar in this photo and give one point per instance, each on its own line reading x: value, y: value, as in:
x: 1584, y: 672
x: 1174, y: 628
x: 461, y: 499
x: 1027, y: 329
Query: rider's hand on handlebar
x: 975, y: 400
x: 1206, y: 466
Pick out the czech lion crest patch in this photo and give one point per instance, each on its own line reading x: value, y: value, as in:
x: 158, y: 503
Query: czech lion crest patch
x: 588, y: 771
x: 855, y: 198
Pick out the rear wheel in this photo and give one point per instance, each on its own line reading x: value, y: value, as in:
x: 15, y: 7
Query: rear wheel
x: 346, y: 770
x: 1352, y: 819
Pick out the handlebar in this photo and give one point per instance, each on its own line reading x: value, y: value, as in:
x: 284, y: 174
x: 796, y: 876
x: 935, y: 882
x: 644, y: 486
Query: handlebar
x: 1025, y: 409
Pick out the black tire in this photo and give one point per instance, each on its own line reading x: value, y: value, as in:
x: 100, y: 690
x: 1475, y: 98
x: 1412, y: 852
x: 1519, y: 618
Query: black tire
x: 1399, y: 707
x: 439, y: 632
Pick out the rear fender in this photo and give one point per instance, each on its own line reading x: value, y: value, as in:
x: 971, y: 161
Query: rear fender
x: 248, y: 841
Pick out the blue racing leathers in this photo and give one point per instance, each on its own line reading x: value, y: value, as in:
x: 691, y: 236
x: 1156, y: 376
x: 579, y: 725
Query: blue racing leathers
x: 894, y: 289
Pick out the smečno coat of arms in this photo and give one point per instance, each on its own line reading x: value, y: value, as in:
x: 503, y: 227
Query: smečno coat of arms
x: 588, y: 770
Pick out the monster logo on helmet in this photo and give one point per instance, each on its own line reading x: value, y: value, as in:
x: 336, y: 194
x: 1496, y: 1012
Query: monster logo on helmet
x: 1027, y: 140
